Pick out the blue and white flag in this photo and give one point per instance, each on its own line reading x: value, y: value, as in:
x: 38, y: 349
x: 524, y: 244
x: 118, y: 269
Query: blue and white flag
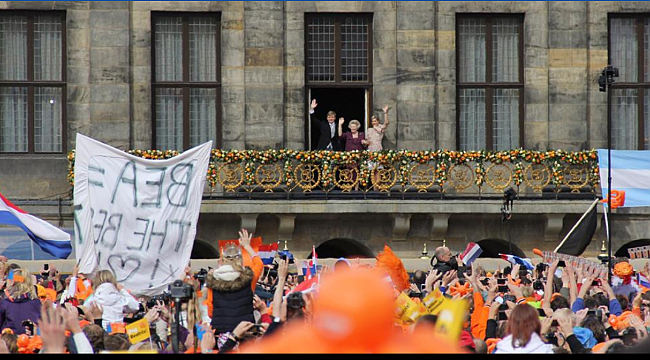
x: 630, y: 173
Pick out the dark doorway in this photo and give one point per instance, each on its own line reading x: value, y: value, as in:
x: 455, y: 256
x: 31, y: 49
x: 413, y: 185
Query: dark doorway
x: 622, y: 252
x: 202, y: 250
x: 347, y: 103
x: 346, y: 248
x: 493, y: 247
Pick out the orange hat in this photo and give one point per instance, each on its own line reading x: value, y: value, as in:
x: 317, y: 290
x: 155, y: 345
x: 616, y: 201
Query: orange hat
x: 623, y: 269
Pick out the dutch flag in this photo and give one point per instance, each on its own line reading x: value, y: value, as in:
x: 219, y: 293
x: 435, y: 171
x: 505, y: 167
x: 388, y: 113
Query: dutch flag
x: 472, y: 252
x: 642, y: 281
x: 517, y: 260
x: 267, y: 253
x: 51, y: 239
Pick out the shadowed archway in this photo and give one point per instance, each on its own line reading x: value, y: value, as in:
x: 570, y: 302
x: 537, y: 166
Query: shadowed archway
x: 493, y: 247
x: 347, y: 248
x: 203, y: 250
x: 622, y: 251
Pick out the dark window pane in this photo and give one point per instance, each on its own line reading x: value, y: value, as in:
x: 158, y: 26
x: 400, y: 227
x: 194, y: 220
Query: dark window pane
x: 505, y: 121
x: 169, y: 119
x: 13, y: 47
x: 169, y: 48
x: 13, y: 119
x: 203, y: 49
x: 203, y: 115
x: 472, y: 119
x: 47, y: 119
x: 625, y: 119
x: 471, y: 48
x: 354, y: 49
x: 320, y: 49
x: 48, y: 49
x: 624, y: 47
x: 505, y: 50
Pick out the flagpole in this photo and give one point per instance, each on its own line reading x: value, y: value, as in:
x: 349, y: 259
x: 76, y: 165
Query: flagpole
x: 576, y: 225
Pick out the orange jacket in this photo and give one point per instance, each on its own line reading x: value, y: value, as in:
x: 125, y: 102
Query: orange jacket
x: 479, y: 316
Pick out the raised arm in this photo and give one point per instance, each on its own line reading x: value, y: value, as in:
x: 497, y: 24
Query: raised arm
x: 341, y: 121
x: 312, y: 116
x: 385, y: 108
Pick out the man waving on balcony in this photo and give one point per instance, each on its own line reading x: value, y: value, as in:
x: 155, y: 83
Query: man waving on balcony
x: 329, y: 138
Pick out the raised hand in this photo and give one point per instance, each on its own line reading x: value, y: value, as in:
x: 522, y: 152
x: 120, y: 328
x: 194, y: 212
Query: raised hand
x: 385, y: 108
x: 52, y: 327
x: 283, y: 269
x: 449, y: 277
x: 259, y: 304
x: 341, y: 121
x: 72, y: 319
x: 313, y: 104
x: 245, y: 238
x: 208, y: 341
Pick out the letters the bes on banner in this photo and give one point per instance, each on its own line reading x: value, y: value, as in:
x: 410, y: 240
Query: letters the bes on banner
x: 136, y: 217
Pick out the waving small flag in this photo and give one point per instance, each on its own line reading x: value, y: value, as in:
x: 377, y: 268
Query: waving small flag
x: 267, y: 253
x: 642, y: 281
x: 517, y: 260
x: 306, y: 286
x: 472, y: 252
x: 49, y: 238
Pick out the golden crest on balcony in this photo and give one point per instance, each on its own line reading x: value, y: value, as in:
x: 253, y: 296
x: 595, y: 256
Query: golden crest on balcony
x: 576, y: 177
x: 422, y: 177
x: 231, y: 176
x: 346, y: 177
x: 461, y: 177
x: 268, y: 176
x: 498, y: 176
x: 537, y: 176
x: 386, y: 177
x: 307, y: 176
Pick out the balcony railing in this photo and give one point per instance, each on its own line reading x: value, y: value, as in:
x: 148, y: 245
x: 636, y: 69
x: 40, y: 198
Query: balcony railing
x: 410, y: 174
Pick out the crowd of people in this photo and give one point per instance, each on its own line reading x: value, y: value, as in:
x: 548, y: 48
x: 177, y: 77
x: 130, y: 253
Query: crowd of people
x: 243, y: 305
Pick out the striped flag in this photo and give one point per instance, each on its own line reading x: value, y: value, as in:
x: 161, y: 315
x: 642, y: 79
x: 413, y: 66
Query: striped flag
x: 306, y: 286
x: 51, y: 239
x: 267, y: 253
x: 472, y: 252
x: 517, y: 260
x: 642, y: 281
x: 630, y: 173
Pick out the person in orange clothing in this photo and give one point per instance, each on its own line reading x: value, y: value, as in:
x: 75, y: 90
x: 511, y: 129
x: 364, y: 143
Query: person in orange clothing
x: 353, y: 313
x: 232, y: 284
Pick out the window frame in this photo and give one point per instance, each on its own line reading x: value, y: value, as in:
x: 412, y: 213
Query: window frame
x: 640, y: 85
x: 338, y: 44
x: 489, y: 86
x: 186, y: 85
x: 30, y: 84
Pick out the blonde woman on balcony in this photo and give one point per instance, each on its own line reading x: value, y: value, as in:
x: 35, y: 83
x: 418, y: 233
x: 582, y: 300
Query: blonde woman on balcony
x: 374, y: 137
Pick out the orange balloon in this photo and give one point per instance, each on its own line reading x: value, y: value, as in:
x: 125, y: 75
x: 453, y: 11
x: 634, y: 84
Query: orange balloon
x: 352, y: 313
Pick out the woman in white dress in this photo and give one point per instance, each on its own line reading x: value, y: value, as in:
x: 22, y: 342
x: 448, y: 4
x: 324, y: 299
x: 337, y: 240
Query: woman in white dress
x: 374, y: 136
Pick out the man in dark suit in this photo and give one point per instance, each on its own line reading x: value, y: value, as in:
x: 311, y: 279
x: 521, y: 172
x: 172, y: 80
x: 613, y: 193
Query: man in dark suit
x: 329, y: 138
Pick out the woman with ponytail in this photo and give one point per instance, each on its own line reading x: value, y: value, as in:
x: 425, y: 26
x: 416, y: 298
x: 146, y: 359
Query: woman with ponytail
x: 20, y: 303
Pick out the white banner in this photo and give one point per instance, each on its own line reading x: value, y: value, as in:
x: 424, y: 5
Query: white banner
x: 134, y: 216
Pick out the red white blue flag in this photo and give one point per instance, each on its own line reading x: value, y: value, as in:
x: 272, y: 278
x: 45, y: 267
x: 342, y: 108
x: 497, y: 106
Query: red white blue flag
x: 472, y: 252
x: 267, y: 253
x: 517, y: 260
x: 51, y: 239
